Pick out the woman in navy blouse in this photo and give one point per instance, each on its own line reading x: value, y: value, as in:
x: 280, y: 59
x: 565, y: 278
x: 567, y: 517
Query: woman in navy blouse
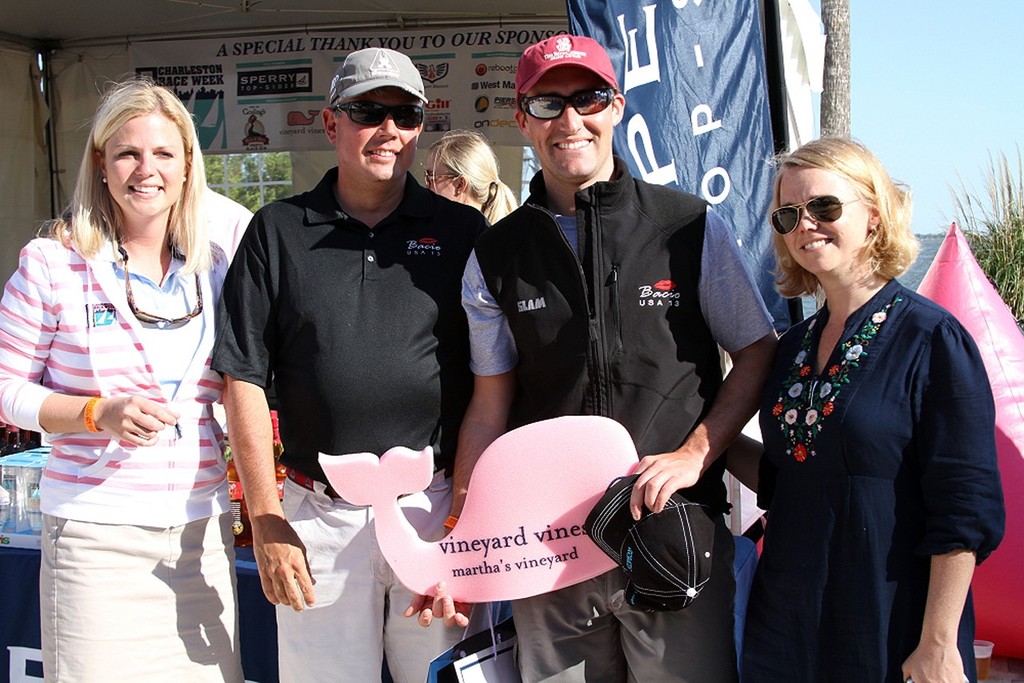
x: 879, y: 473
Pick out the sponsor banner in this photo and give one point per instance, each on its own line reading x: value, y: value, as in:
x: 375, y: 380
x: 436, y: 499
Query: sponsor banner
x: 266, y: 94
x: 697, y: 118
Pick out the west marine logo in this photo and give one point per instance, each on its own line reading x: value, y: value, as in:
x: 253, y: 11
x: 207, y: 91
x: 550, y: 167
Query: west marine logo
x: 432, y: 73
x: 661, y: 293
x: 424, y: 246
x: 530, y: 304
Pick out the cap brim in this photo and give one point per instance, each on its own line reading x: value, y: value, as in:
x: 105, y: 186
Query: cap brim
x: 367, y: 86
x: 525, y: 87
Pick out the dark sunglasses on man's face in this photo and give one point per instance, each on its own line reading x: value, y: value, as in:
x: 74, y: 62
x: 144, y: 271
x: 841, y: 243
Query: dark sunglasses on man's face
x: 407, y: 116
x: 824, y: 209
x: 585, y: 102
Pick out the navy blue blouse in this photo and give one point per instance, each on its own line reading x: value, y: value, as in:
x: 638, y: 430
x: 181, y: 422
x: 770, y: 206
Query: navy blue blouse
x: 883, y: 460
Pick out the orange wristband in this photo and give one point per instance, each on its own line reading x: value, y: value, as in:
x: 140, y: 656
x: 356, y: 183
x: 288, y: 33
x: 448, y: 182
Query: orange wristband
x: 89, y: 416
x: 451, y: 522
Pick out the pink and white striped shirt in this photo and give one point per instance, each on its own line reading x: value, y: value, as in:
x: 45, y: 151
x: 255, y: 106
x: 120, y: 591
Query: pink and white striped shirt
x: 65, y: 326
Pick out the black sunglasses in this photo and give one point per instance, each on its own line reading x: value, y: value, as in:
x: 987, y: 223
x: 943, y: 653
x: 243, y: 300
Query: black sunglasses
x: 149, y: 318
x: 824, y: 209
x: 585, y: 102
x: 407, y: 116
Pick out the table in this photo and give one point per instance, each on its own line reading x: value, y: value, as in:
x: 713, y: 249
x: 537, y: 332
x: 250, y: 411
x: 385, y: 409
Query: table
x: 19, y: 619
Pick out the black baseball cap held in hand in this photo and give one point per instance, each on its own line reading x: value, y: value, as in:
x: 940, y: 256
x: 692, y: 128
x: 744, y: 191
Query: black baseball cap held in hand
x: 666, y: 556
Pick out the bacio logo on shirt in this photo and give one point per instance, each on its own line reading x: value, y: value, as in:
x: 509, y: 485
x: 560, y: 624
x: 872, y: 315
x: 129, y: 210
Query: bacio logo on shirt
x: 424, y: 246
x: 661, y: 293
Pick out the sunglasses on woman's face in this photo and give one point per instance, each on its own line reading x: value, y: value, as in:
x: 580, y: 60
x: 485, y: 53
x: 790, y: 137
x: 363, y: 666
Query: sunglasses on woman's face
x: 431, y: 178
x: 824, y: 209
x: 407, y: 116
x: 585, y: 102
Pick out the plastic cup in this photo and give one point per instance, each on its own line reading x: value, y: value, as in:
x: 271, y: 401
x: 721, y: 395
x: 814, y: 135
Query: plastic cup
x: 983, y: 658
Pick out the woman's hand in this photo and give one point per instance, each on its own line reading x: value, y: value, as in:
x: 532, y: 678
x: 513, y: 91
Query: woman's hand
x: 934, y: 664
x: 133, y: 419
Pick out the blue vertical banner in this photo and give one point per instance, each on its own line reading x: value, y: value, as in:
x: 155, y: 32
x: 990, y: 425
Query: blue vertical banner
x: 697, y: 118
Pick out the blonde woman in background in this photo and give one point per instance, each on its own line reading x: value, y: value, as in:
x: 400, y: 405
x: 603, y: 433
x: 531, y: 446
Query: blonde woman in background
x: 462, y: 167
x: 106, y: 332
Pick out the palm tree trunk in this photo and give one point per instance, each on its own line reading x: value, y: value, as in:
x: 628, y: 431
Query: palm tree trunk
x: 835, y: 95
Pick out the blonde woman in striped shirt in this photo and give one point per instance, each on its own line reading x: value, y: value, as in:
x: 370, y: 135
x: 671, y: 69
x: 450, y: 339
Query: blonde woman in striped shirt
x: 105, y: 337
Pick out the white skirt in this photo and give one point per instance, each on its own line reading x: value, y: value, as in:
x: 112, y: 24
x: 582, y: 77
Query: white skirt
x: 128, y: 603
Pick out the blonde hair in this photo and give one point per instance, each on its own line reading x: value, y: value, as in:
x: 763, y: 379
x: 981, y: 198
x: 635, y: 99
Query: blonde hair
x: 891, y: 247
x: 94, y: 217
x: 469, y: 155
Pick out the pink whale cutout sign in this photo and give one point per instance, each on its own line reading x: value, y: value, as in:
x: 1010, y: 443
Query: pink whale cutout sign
x: 520, y: 532
x: 957, y: 282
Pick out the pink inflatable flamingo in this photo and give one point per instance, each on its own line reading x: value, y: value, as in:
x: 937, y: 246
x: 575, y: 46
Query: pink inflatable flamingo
x: 520, y: 532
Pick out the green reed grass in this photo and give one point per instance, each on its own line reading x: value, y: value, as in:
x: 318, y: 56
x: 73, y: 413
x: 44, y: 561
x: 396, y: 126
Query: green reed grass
x: 994, y: 227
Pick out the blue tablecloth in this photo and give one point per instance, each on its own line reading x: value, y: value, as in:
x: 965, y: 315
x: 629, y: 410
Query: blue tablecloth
x: 19, y: 618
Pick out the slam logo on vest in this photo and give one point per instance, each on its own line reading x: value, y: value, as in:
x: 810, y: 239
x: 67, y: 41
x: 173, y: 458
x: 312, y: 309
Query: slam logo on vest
x: 661, y: 293
x: 524, y: 305
x: 424, y: 246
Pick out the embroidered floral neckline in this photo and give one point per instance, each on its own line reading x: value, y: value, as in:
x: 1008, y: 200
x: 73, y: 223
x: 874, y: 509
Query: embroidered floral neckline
x: 801, y: 407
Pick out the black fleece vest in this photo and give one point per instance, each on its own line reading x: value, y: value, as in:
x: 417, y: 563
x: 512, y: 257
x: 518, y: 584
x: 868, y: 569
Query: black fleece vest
x: 617, y: 331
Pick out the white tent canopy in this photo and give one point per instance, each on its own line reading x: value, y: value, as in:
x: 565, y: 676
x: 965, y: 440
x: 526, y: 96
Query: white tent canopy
x: 84, y: 44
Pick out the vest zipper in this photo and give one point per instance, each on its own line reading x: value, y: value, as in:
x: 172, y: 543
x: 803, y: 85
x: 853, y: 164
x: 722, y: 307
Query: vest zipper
x: 614, y: 299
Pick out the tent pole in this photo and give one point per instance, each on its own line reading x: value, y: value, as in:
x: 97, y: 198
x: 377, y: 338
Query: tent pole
x: 51, y: 132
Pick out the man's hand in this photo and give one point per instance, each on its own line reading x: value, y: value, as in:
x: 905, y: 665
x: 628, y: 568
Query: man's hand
x: 661, y: 476
x: 281, y: 558
x: 440, y: 605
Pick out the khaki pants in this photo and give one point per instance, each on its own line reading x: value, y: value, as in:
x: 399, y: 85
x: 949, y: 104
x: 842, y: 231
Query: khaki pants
x: 357, y: 617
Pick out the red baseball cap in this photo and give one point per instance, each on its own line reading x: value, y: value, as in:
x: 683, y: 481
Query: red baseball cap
x: 563, y: 50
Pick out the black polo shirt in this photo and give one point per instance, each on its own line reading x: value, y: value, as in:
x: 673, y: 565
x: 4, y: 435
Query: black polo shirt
x: 361, y: 331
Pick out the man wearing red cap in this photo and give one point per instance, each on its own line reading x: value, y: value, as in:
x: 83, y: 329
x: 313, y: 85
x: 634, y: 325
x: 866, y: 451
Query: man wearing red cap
x: 606, y: 295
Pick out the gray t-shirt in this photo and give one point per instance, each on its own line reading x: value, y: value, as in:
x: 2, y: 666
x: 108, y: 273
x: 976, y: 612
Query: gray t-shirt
x: 729, y: 300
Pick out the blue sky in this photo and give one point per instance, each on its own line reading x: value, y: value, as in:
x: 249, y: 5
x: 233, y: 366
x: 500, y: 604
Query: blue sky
x: 936, y: 89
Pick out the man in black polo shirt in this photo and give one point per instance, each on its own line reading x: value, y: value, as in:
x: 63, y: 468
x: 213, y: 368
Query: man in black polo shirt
x: 347, y: 299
